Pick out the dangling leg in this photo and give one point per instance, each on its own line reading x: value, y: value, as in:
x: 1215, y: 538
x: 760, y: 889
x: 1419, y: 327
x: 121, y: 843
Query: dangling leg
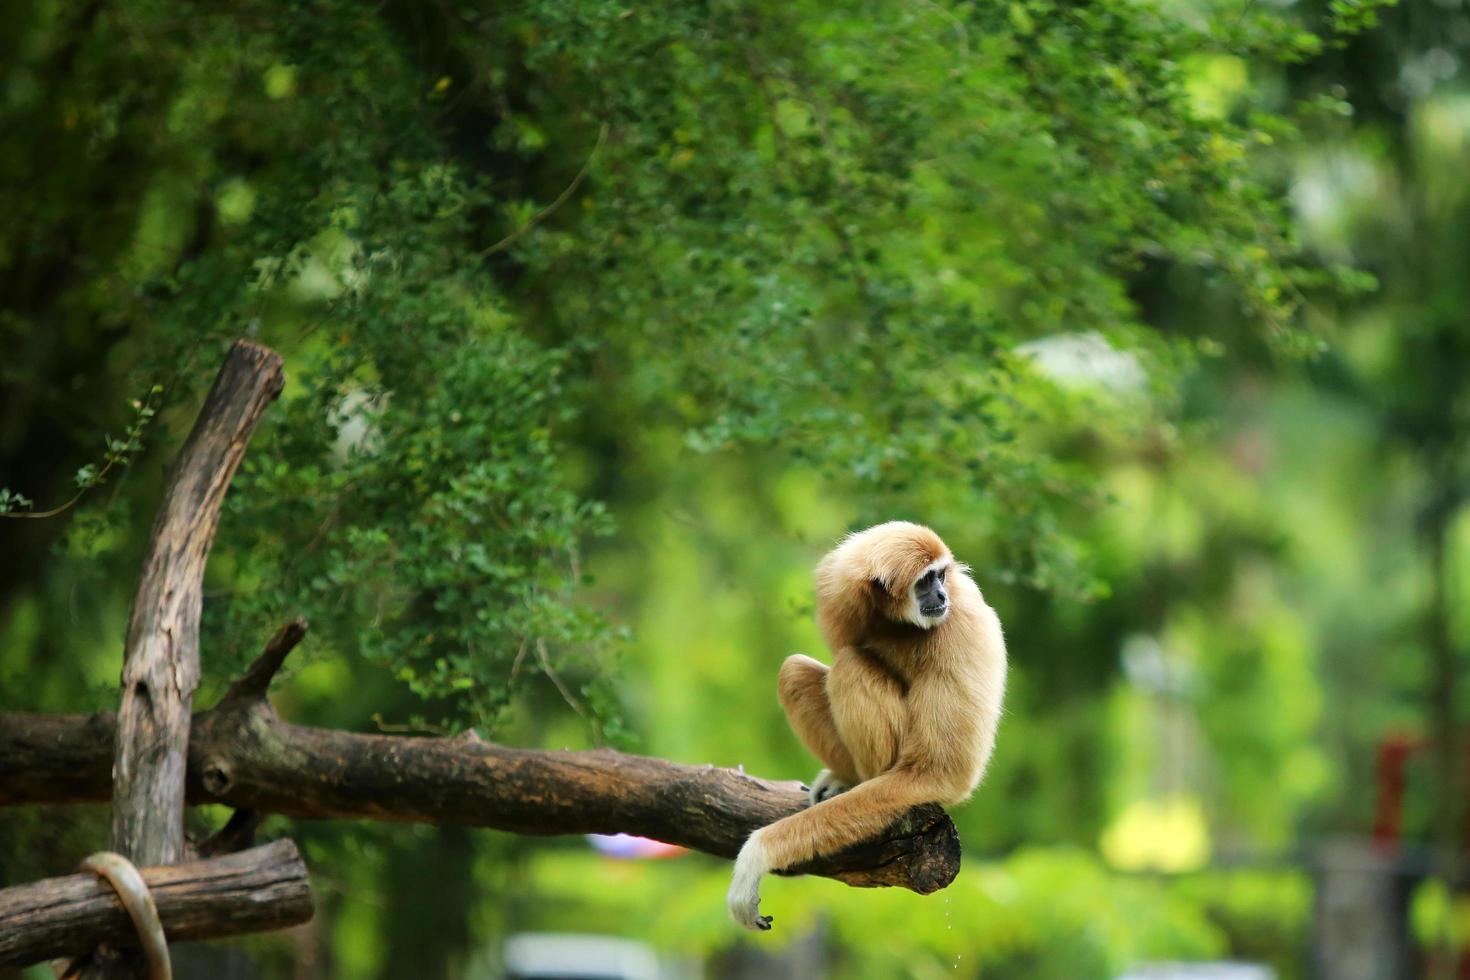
x: 803, y: 691
x: 867, y: 810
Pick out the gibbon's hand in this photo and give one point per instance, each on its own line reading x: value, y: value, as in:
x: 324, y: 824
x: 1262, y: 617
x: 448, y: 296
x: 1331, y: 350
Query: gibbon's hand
x: 744, y: 897
x: 826, y: 786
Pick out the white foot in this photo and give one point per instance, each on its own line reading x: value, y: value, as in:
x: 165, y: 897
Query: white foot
x: 744, y: 897
x: 826, y: 786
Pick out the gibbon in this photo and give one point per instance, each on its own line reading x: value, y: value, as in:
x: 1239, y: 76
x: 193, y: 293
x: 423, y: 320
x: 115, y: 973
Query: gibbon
x: 905, y: 715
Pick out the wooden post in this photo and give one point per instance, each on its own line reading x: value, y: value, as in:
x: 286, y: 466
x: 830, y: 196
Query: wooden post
x: 161, y: 658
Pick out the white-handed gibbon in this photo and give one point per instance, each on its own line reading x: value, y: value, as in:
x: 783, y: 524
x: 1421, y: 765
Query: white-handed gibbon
x: 905, y: 715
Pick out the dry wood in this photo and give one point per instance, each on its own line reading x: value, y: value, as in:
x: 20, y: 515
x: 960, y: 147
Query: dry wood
x: 161, y: 656
x: 161, y: 659
x: 262, y: 888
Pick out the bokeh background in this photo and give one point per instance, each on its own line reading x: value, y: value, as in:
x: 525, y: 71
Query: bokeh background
x: 603, y: 321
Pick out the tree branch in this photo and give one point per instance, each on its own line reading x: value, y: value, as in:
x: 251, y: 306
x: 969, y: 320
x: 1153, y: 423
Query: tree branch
x: 263, y: 888
x: 256, y: 681
x: 242, y: 755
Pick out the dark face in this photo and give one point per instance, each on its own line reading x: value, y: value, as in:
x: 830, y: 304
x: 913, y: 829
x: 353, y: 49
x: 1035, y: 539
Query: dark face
x: 931, y: 595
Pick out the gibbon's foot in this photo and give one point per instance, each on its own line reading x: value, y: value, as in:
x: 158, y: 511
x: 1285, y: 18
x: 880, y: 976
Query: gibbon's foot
x: 749, y: 916
x: 826, y: 786
x: 744, y: 897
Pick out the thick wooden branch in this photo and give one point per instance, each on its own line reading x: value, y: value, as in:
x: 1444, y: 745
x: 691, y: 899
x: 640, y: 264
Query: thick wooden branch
x: 242, y: 755
x: 161, y: 659
x: 263, y: 888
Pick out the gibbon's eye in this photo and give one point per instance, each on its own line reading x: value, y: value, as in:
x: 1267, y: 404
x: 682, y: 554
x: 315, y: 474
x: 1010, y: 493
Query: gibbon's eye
x: 939, y: 573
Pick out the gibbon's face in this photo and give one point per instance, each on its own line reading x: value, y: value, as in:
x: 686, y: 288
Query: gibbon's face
x: 924, y: 602
x: 927, y: 603
x: 908, y: 568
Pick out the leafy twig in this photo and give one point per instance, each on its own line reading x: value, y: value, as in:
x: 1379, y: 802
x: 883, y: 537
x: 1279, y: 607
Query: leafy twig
x: 120, y: 452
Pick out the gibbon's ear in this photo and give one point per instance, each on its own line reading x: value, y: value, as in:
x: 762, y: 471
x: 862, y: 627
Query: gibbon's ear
x: 878, y: 585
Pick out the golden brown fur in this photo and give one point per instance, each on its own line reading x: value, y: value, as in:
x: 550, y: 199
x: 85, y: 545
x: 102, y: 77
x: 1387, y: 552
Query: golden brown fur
x: 905, y: 715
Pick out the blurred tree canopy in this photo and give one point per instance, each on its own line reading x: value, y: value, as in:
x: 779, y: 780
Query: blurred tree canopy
x: 508, y: 251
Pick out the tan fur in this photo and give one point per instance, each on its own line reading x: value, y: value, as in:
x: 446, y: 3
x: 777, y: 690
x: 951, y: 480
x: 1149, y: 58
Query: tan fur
x: 908, y: 713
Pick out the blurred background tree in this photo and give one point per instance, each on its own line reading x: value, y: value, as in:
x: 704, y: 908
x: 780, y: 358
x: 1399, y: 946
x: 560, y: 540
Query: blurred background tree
x: 603, y: 322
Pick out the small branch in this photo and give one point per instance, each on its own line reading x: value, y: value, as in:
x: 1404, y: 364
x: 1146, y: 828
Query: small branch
x: 253, y: 891
x: 408, y: 728
x: 544, y: 660
x: 256, y: 681
x: 551, y: 208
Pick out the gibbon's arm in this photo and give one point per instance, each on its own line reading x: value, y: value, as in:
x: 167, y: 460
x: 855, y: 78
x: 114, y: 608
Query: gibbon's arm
x: 869, y: 710
x: 950, y: 737
x: 862, y: 812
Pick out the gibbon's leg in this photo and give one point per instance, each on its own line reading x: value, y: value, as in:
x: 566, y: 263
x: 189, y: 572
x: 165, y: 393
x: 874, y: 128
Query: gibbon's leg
x: 803, y: 690
x: 862, y: 812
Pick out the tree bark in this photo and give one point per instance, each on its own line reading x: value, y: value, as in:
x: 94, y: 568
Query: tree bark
x: 242, y: 755
x: 161, y: 659
x: 262, y: 888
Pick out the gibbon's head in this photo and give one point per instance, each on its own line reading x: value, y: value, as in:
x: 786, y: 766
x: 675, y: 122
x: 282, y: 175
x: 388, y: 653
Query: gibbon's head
x: 900, y: 570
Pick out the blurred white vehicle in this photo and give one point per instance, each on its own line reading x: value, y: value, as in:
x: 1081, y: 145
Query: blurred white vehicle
x: 570, y: 956
x: 1200, y: 971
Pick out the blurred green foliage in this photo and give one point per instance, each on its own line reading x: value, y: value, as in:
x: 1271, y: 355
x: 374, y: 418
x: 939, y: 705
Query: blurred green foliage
x: 602, y: 322
x: 755, y: 259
